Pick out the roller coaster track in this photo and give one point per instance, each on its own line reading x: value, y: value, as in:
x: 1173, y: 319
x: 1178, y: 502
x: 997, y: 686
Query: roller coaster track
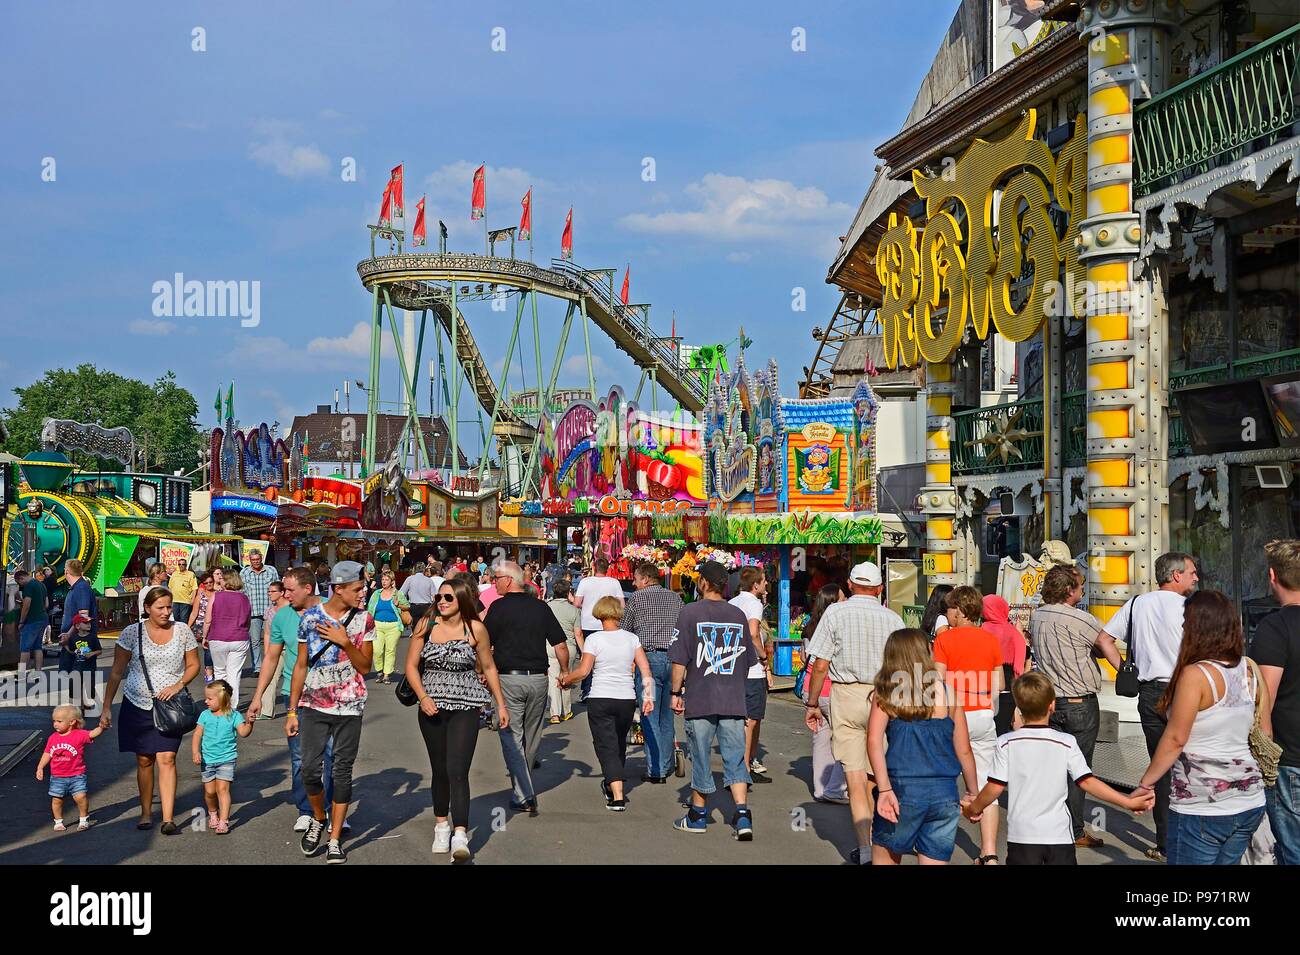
x: 423, y: 281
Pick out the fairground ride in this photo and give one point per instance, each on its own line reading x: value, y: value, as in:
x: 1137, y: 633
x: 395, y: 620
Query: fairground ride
x: 439, y: 283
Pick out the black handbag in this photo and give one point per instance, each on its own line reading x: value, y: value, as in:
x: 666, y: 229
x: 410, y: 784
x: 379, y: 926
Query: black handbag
x: 1126, y: 680
x: 175, y: 717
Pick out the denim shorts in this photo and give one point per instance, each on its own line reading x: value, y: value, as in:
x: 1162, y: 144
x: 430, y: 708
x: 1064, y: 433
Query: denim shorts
x: 30, y: 635
x: 927, y: 819
x: 61, y: 786
x: 222, y: 771
x: 730, y: 733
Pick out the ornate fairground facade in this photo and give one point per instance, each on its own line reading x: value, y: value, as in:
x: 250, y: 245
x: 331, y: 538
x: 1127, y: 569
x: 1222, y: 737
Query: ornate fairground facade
x: 1086, y: 237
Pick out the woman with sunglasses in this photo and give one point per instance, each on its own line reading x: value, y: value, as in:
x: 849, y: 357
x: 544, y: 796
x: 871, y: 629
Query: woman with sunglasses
x: 449, y: 649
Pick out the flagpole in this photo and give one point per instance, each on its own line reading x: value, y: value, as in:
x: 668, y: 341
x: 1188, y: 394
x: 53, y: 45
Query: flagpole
x: 530, y: 231
x: 486, y: 243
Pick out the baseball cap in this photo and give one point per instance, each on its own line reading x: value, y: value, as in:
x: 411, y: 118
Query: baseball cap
x: 345, y: 572
x: 865, y: 574
x: 714, y: 573
x: 83, y: 616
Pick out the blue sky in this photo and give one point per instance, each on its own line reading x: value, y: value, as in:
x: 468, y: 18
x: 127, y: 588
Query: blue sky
x: 225, y: 165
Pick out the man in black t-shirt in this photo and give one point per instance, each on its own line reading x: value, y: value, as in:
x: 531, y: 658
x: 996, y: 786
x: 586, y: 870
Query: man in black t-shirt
x: 1276, y: 648
x: 711, y: 654
x: 520, y: 626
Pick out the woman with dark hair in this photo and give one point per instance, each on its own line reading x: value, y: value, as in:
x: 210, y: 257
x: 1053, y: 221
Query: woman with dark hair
x: 935, y: 618
x: 449, y: 649
x: 157, y: 658
x: 828, y: 775
x: 1217, y: 790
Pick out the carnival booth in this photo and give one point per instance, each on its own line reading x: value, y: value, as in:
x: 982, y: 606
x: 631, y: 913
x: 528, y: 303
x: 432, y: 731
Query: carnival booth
x: 604, y: 465
x: 794, y: 478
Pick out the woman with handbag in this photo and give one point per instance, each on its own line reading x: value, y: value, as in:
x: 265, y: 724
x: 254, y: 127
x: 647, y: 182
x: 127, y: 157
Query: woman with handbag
x: 1219, y: 715
x: 157, y: 658
x: 449, y: 649
x: 392, y: 613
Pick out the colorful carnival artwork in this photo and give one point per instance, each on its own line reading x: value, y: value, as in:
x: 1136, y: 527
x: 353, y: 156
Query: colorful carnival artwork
x: 830, y: 452
x: 740, y: 438
x: 612, y: 447
x: 255, y: 461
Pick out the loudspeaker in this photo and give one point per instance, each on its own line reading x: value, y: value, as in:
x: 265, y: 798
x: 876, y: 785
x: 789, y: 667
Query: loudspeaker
x: 1007, y: 502
x: 1273, y: 476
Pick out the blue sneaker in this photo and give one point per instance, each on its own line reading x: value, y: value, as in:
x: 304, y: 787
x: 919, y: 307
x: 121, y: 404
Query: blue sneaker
x: 743, y: 824
x: 693, y: 822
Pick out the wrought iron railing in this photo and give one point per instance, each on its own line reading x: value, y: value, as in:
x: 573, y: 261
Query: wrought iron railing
x: 1074, y: 428
x: 1261, y: 365
x: 1005, y: 437
x: 1243, y: 104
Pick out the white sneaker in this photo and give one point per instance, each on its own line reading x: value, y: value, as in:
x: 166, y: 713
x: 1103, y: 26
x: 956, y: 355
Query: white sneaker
x: 302, y: 824
x: 460, y: 845
x: 442, y: 837
x: 756, y: 767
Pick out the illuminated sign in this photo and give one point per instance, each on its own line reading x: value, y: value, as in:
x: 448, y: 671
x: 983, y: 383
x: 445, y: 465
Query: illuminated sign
x: 935, y: 282
x: 319, y: 490
x: 244, y: 505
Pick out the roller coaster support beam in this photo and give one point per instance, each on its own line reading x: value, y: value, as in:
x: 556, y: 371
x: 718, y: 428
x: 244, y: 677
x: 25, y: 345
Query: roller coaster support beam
x: 455, y: 387
x: 372, y: 391
x: 544, y: 401
x: 505, y: 370
x: 412, y: 409
x: 586, y: 341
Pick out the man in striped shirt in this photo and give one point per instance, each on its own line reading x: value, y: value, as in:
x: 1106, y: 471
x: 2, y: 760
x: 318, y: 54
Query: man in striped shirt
x: 1066, y: 643
x: 257, y: 587
x: 651, y: 613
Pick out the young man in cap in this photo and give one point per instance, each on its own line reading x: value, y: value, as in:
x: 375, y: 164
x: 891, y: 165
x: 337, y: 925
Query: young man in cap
x: 849, y: 646
x: 711, y: 654
x: 334, y: 653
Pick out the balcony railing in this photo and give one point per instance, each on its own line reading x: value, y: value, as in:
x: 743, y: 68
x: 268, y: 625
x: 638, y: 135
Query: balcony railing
x: 1074, y: 428
x: 1242, y: 105
x: 1257, y: 366
x: 982, y: 435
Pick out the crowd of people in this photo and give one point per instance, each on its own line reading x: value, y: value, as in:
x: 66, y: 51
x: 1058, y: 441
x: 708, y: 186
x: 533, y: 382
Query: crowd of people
x: 898, y: 716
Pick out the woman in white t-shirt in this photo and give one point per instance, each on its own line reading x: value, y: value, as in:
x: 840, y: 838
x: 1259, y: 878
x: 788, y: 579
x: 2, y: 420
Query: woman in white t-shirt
x: 1216, y: 796
x: 609, y: 655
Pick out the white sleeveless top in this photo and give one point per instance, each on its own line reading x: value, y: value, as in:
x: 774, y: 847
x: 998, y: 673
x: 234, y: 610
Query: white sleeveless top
x: 1216, y: 775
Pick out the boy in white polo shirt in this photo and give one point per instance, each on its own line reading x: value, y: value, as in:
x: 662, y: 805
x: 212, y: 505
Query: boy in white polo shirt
x: 1034, y: 763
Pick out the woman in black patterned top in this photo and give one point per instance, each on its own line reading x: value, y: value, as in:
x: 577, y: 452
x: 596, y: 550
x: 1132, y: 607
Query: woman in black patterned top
x: 449, y: 649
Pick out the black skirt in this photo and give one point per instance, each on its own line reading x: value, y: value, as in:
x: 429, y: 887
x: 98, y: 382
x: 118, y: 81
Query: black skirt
x: 137, y: 734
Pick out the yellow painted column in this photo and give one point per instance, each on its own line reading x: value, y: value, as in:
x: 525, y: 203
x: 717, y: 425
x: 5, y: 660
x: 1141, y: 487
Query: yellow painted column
x: 938, y: 496
x: 1127, y: 60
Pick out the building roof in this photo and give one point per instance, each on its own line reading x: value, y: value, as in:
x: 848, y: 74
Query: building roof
x: 851, y: 366
x: 323, y: 431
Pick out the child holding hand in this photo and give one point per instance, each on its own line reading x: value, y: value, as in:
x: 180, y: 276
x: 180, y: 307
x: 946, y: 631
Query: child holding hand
x: 1034, y: 769
x: 65, y: 754
x: 215, y: 750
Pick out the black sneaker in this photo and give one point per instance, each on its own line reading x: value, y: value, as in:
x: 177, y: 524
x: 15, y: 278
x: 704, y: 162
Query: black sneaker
x: 334, y: 854
x: 311, y: 838
x: 617, y: 805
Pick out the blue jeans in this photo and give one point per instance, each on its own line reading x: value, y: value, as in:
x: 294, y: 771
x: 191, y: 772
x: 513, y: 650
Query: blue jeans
x: 1283, y: 802
x: 658, y: 727
x: 255, y: 638
x: 730, y: 733
x: 295, y: 768
x: 1211, y: 840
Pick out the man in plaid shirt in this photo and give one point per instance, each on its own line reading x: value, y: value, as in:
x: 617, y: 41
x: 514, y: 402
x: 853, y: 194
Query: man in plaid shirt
x: 258, y: 578
x: 651, y: 613
x: 849, y: 645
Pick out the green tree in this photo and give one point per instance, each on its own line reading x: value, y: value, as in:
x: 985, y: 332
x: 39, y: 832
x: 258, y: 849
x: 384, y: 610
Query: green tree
x: 162, y: 416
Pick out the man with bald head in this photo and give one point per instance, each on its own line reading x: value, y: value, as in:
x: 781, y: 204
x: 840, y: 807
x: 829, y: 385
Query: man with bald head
x: 520, y: 627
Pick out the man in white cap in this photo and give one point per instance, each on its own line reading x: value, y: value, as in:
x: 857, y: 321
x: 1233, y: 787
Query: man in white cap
x: 849, y: 646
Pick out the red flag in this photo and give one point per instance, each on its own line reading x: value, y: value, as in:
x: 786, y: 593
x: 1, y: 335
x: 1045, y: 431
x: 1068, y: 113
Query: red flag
x: 386, y: 206
x: 478, y: 201
x: 566, y: 240
x: 418, y: 233
x: 627, y: 278
x: 395, y: 181
x: 526, y: 220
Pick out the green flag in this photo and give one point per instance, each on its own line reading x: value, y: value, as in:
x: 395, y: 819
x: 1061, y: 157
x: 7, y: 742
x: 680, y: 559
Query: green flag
x: 217, y: 404
x: 230, y: 402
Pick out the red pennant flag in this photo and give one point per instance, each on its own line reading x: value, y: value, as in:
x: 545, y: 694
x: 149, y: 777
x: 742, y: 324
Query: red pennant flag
x: 478, y: 201
x: 526, y: 220
x: 627, y: 279
x: 386, y: 206
x: 395, y: 180
x: 566, y: 240
x: 418, y: 234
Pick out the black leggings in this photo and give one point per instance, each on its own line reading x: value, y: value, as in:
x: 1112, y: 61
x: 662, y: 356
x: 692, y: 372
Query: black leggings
x: 609, y: 721
x: 450, y: 738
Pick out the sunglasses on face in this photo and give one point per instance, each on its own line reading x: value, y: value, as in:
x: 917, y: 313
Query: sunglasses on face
x: 446, y: 598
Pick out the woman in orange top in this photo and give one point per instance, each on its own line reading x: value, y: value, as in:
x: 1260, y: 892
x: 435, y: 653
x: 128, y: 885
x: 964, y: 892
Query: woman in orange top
x: 970, y: 661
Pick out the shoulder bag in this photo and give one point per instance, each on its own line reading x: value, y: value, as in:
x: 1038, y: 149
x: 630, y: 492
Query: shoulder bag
x: 175, y: 717
x: 1126, y: 680
x: 1262, y: 746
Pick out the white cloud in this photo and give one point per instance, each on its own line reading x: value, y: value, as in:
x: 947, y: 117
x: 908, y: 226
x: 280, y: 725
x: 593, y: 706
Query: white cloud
x: 276, y: 149
x: 355, y: 344
x: 739, y: 256
x: 735, y: 209
x: 577, y: 365
x: 148, y: 326
x: 449, y: 189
